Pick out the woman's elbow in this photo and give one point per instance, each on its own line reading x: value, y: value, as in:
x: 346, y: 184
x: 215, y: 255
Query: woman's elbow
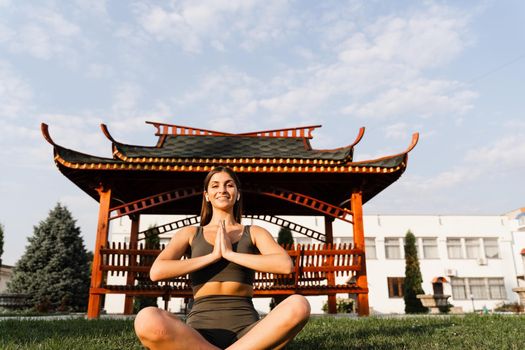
x: 154, y: 273
x: 288, y: 268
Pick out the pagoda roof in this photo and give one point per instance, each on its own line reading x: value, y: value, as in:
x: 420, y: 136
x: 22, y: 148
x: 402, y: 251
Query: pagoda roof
x: 180, y: 144
x: 281, y: 158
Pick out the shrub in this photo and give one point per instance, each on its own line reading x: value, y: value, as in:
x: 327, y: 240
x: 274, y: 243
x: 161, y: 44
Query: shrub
x: 343, y: 305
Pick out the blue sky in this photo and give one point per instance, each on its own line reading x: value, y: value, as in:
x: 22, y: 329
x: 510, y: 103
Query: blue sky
x: 452, y: 70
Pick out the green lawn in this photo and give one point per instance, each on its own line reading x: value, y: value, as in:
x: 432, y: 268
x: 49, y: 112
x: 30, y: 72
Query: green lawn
x: 421, y: 333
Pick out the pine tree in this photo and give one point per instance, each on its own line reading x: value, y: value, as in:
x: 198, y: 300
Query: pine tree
x: 152, y: 241
x: 413, y: 279
x: 54, y: 270
x: 285, y: 236
x: 1, y: 243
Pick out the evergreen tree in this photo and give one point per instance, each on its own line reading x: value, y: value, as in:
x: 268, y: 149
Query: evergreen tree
x: 54, y: 270
x: 413, y: 279
x: 1, y: 243
x: 285, y: 236
x: 152, y: 241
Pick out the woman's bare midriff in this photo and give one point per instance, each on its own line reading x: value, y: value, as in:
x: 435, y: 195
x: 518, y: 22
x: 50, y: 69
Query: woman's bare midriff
x: 223, y: 288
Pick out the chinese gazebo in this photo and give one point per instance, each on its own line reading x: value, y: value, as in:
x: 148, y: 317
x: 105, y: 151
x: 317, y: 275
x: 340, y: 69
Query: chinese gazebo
x: 281, y: 175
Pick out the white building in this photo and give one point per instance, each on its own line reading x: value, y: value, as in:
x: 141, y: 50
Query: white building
x: 478, y: 256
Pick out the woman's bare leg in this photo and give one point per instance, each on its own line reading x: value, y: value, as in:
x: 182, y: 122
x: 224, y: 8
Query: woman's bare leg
x: 278, y: 327
x: 158, y: 329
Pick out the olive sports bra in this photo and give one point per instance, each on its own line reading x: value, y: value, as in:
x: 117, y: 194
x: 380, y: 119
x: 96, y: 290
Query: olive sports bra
x: 222, y: 270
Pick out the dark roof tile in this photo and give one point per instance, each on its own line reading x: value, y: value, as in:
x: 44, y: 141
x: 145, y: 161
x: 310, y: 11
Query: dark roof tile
x: 234, y: 147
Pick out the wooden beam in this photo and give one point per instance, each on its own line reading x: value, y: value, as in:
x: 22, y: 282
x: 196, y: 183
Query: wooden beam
x: 291, y: 225
x: 130, y: 279
x: 152, y: 201
x: 359, y: 243
x: 316, y: 205
x: 330, y: 276
x: 101, y: 240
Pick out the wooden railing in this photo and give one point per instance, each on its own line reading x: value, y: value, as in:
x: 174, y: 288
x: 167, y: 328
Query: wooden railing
x: 316, y: 268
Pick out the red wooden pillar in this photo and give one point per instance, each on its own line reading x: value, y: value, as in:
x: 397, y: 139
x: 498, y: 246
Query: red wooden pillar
x: 130, y: 279
x: 359, y: 242
x: 332, y: 302
x: 101, y: 240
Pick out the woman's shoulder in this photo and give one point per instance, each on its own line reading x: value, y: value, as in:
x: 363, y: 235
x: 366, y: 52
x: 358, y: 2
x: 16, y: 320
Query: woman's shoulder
x: 257, y: 230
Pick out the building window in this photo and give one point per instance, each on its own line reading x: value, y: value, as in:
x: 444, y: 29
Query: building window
x: 497, y: 288
x: 370, y: 248
x: 395, y: 287
x: 478, y: 288
x: 459, y: 288
x: 392, y: 248
x: 430, y: 248
x: 491, y: 248
x: 454, y: 249
x: 473, y: 248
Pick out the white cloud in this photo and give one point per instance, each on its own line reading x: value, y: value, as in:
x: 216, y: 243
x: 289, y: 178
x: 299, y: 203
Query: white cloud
x: 80, y: 132
x: 223, y: 95
x: 15, y: 93
x: 126, y: 99
x: 298, y: 102
x: 99, y: 71
x: 484, y: 164
x: 40, y: 32
x: 381, y: 71
x: 505, y: 155
x: 397, y: 131
x: 193, y: 25
x: 424, y: 39
x: 55, y: 22
x: 97, y: 7
x: 422, y: 98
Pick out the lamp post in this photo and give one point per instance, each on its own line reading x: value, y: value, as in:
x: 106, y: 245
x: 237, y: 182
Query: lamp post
x: 472, y: 299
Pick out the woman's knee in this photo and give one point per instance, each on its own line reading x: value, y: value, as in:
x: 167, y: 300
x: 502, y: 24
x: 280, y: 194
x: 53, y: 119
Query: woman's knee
x: 152, y: 325
x: 300, y: 307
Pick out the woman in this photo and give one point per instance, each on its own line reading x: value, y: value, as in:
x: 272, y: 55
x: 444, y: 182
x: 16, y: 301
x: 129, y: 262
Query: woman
x: 222, y: 265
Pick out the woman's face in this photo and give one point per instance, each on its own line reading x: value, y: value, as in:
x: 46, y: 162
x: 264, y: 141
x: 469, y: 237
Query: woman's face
x: 222, y: 191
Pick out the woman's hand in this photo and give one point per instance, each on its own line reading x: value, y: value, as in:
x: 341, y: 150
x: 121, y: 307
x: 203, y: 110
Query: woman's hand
x: 217, y: 251
x: 225, y: 242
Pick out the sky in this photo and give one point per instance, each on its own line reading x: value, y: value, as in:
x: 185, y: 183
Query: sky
x: 454, y: 71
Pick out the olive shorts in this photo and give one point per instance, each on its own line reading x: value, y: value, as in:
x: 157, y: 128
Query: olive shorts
x: 222, y: 319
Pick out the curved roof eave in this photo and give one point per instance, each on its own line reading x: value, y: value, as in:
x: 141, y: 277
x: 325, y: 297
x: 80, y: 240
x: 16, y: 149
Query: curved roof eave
x: 413, y: 143
x: 66, y: 153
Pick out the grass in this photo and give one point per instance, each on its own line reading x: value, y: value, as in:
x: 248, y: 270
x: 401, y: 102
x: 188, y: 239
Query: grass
x: 421, y: 332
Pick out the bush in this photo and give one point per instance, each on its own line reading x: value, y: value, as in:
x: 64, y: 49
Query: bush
x: 343, y: 305
x: 509, y: 307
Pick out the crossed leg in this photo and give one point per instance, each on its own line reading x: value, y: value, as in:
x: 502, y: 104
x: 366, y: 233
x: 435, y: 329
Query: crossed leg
x: 159, y: 329
x: 277, y: 328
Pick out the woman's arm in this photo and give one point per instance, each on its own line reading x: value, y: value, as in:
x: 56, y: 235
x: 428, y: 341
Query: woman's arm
x: 169, y: 264
x: 273, y: 257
